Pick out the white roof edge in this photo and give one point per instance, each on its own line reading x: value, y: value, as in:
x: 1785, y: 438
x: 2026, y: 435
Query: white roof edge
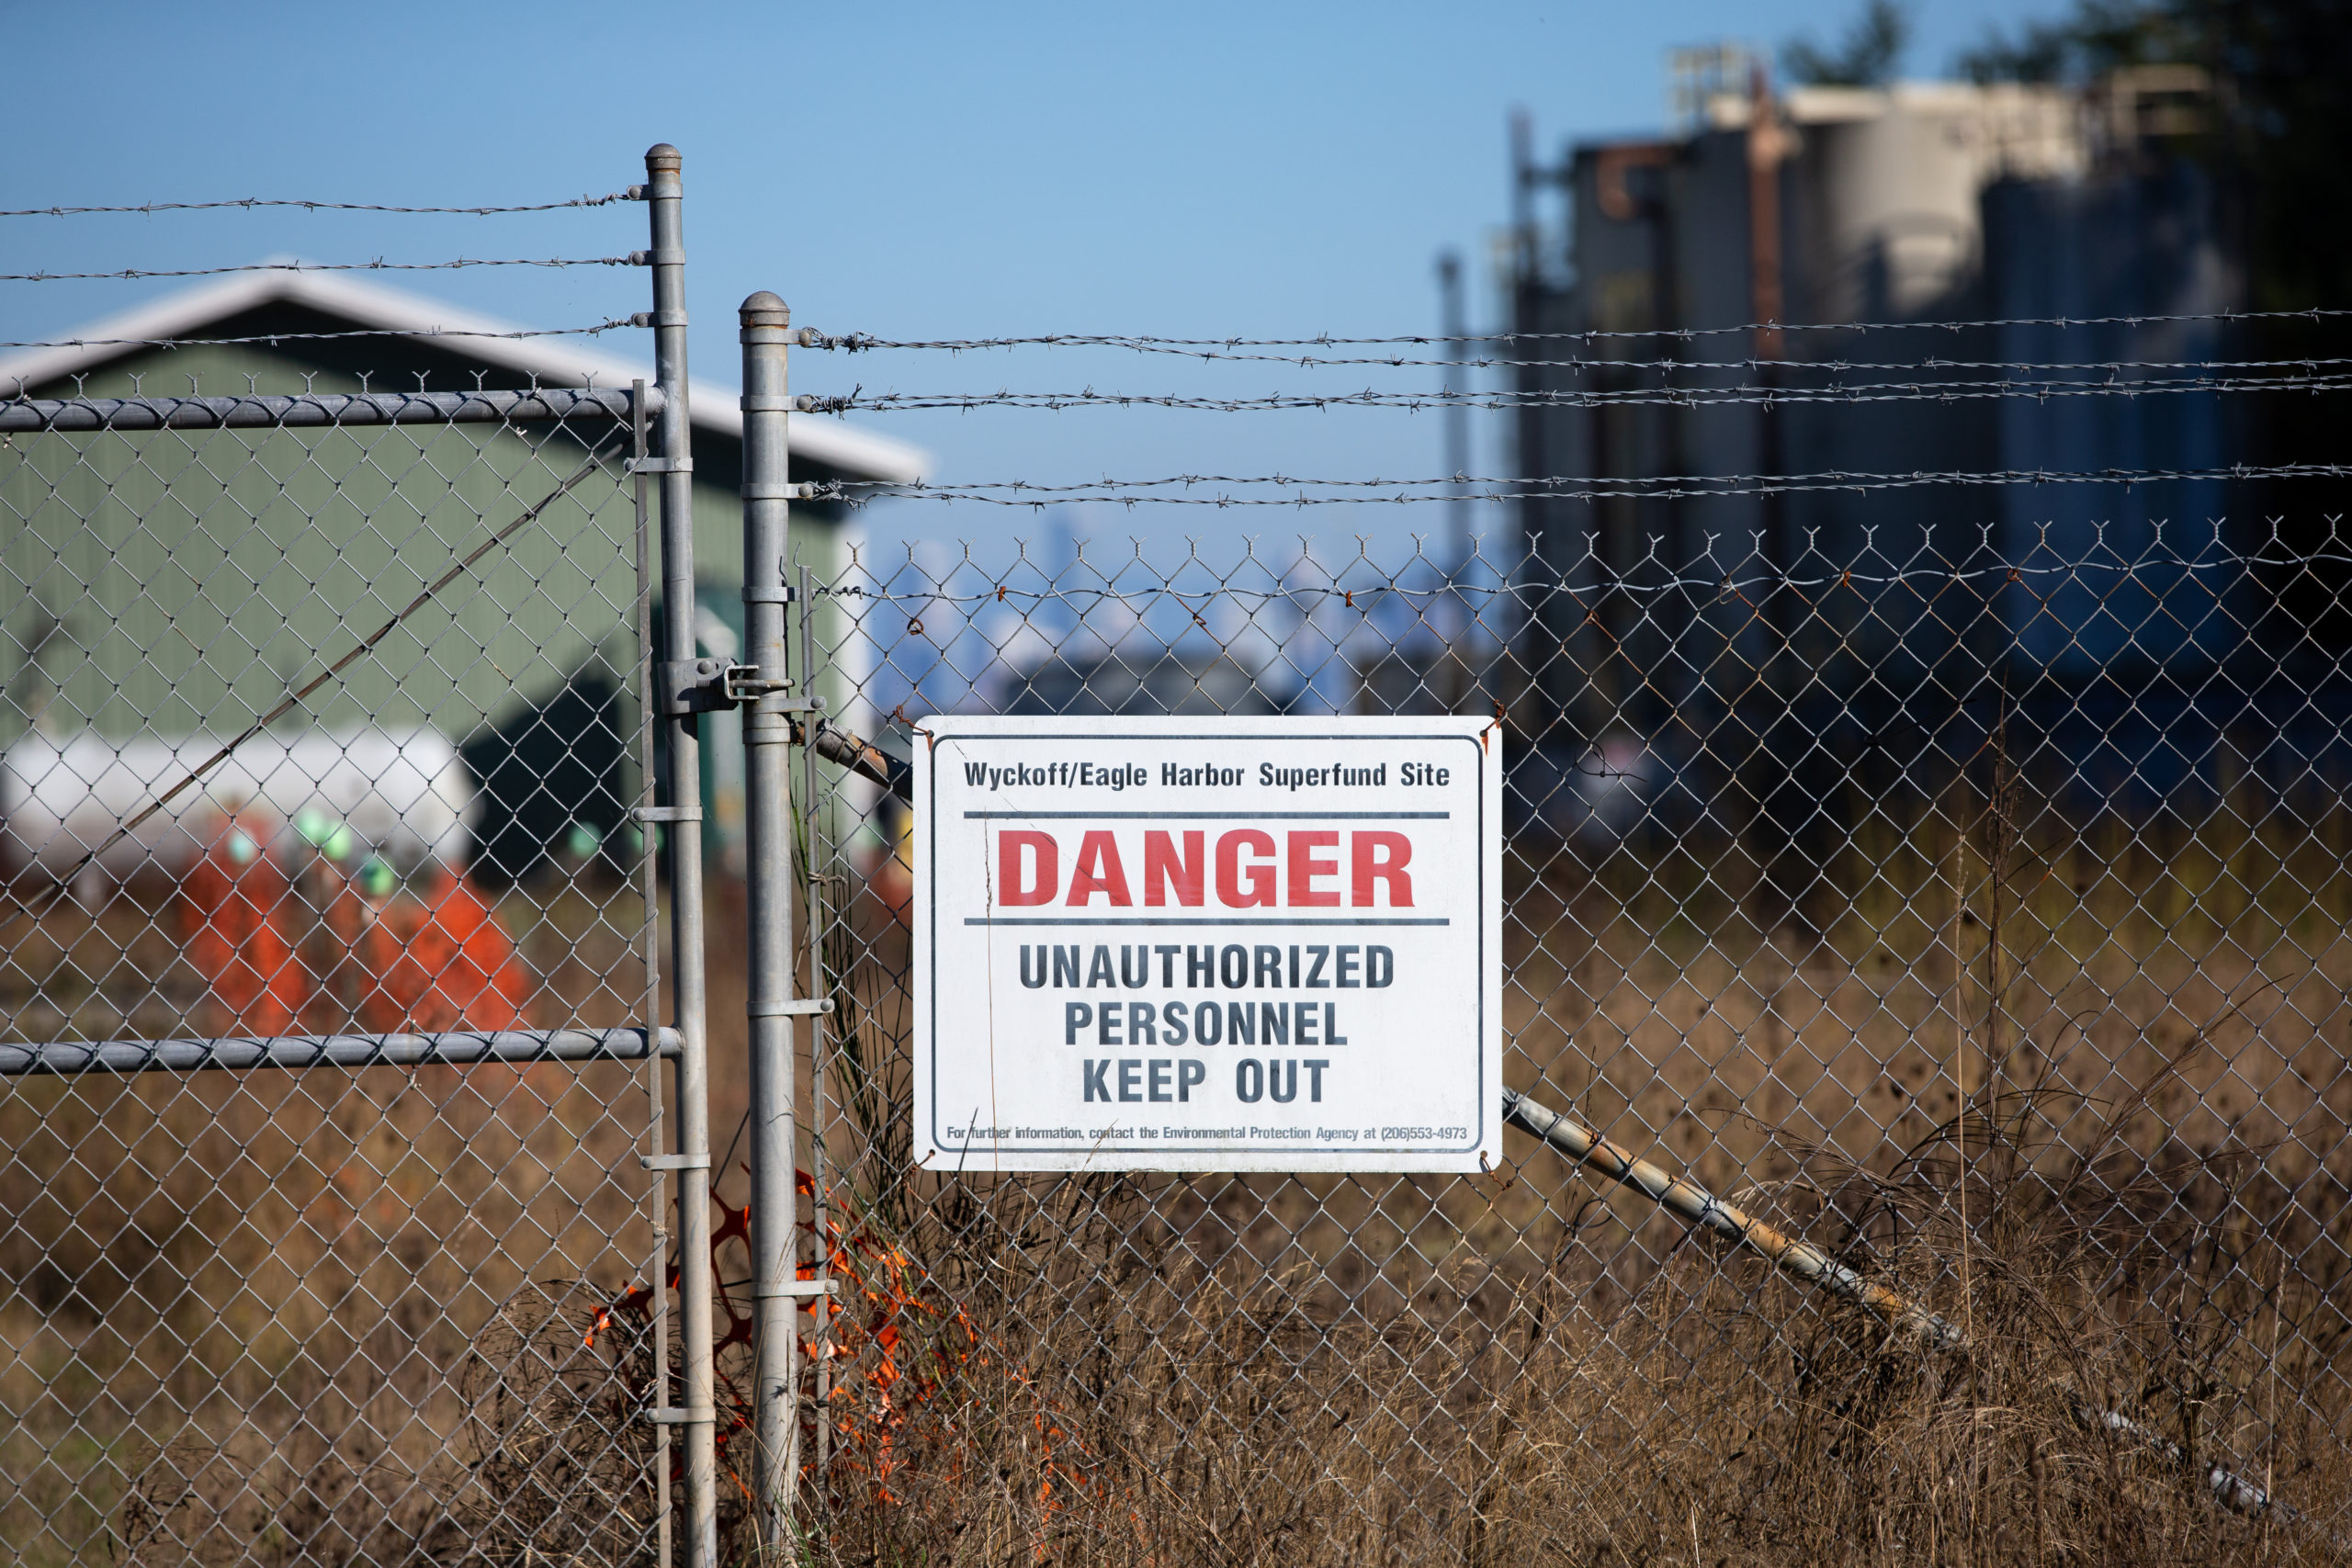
x: 558, y: 361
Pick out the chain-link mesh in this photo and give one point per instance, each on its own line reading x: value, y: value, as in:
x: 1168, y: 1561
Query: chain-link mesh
x: 384, y: 1296
x: 1978, y: 917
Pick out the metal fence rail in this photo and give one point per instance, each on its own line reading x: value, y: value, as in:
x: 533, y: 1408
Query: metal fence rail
x: 319, y: 409
x: 513, y: 1045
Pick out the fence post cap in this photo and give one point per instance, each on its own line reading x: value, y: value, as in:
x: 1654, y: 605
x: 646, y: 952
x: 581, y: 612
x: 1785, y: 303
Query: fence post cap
x: 764, y: 310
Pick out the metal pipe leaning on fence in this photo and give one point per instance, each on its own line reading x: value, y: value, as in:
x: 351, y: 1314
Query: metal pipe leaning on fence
x: 860, y: 756
x: 1799, y: 1260
x: 1703, y: 1210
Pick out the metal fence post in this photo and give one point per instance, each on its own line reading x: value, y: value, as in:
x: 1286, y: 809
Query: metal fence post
x: 665, y: 193
x: 658, y: 1266
x: 767, y: 758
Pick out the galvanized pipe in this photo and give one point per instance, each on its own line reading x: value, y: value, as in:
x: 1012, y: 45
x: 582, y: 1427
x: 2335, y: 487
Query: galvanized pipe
x: 1800, y: 1260
x: 312, y: 409
x: 454, y: 1048
x: 861, y: 757
x: 665, y: 192
x: 657, y: 1267
x: 1706, y: 1212
x: 767, y: 760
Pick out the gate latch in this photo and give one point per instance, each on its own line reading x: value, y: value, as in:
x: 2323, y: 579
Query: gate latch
x: 709, y: 685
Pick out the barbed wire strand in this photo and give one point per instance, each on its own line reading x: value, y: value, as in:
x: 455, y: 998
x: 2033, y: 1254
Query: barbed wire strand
x: 318, y: 267
x: 861, y: 343
x: 1756, y: 364
x: 1689, y: 397
x: 251, y: 202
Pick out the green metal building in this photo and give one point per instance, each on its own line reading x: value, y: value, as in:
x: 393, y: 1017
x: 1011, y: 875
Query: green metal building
x: 171, y: 585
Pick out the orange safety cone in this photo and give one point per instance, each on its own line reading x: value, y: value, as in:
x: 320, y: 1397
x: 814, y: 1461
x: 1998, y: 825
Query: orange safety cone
x: 487, y: 984
x: 446, y: 964
x: 232, y: 916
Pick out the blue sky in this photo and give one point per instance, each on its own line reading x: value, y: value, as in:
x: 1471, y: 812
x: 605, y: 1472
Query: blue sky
x: 910, y: 171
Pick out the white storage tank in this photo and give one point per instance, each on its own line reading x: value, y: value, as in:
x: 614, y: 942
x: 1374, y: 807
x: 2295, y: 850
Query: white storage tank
x: 404, y: 796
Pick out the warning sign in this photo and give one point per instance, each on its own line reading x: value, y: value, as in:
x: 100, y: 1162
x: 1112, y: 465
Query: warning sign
x: 1207, y: 944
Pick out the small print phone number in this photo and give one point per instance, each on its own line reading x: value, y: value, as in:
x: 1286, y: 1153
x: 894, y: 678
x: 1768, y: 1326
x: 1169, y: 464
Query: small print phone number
x: 1421, y: 1134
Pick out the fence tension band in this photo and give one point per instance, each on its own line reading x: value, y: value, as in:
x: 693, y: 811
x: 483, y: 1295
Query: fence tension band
x: 770, y: 594
x: 674, y: 1162
x: 797, y: 1287
x: 666, y: 813
x: 658, y: 466
x: 796, y: 1009
x: 683, y: 1415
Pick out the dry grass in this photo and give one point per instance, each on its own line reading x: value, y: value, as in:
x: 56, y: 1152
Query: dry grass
x: 2081, y: 1089
x: 1122, y: 1398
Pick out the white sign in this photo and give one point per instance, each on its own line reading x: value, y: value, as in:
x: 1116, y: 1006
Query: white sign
x: 1208, y: 944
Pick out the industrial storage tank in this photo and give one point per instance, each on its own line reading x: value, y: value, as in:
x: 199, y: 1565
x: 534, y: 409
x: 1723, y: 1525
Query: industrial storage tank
x: 404, y: 796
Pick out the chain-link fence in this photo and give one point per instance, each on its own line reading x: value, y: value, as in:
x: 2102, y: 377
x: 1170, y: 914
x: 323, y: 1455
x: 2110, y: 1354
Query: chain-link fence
x: 328, y: 1072
x: 1924, y: 1004
x: 317, y: 1292
x: 1966, y: 932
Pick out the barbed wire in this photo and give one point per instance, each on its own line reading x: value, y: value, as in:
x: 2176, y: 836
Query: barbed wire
x: 1752, y: 363
x: 303, y: 337
x: 1554, y: 487
x: 862, y: 343
x: 256, y: 201
x: 320, y: 266
x: 1677, y: 397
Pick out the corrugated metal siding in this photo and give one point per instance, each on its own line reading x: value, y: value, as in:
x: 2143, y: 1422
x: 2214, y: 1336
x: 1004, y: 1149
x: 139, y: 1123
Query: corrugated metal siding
x: 194, y: 575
